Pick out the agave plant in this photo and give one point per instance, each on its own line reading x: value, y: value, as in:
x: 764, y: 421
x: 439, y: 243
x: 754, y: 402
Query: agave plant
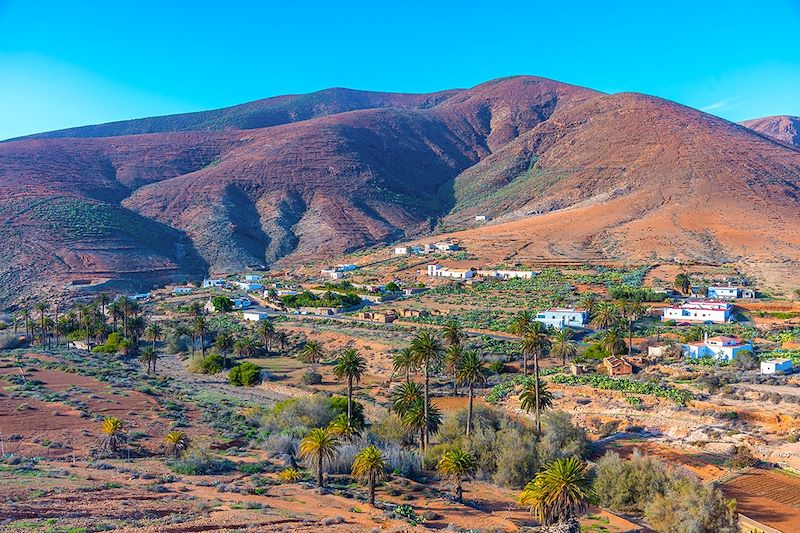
x: 113, y: 430
x: 176, y: 443
x: 290, y: 475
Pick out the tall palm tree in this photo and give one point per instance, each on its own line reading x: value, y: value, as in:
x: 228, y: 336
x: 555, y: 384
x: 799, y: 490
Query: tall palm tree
x: 404, y: 361
x: 369, y: 465
x: 683, y: 283
x: 320, y: 447
x: 562, y: 345
x: 181, y: 330
x: 136, y: 326
x: 558, y: 491
x: 200, y: 330
x: 424, y: 421
x: 352, y: 366
x: 102, y: 300
x: 613, y: 340
x: 42, y: 307
x: 428, y: 350
x: 588, y: 302
x: 453, y: 333
x: 113, y: 430
x: 153, y: 333
x: 341, y: 429
x: 115, y: 311
x: 452, y: 357
x: 632, y: 310
x: 606, y: 315
x: 26, y: 315
x: 406, y: 395
x: 56, y: 324
x: 312, y: 352
x: 470, y: 370
x: 536, y: 341
x: 267, y: 331
x: 521, y: 322
x: 457, y: 465
x: 224, y: 343
x: 282, y: 337
x: 244, y: 347
x: 150, y: 357
x: 535, y: 398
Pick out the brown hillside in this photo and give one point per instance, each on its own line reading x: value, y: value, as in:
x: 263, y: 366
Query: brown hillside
x: 781, y: 127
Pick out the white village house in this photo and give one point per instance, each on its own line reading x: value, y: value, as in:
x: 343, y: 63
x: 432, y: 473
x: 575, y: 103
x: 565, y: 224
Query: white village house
x: 207, y: 283
x: 507, y: 274
x: 721, y: 348
x: 559, y: 318
x: 255, y: 315
x: 248, y: 286
x: 438, y: 271
x: 773, y: 366
x: 252, y: 277
x: 730, y: 292
x: 177, y: 291
x: 702, y: 311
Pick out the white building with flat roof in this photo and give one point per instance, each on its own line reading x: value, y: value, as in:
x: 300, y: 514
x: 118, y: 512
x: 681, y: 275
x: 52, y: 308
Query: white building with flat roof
x: 700, y: 311
x: 178, y: 291
x: 560, y: 318
x: 213, y: 283
x: 248, y: 286
x: 438, y: 271
x: 255, y: 315
x: 252, y: 277
x: 773, y: 366
x: 721, y: 348
x: 507, y: 274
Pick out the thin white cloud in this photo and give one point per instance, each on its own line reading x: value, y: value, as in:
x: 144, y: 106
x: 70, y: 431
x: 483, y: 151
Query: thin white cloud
x: 721, y: 105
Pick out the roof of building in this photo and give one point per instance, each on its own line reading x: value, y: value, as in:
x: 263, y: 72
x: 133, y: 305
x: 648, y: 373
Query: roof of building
x: 778, y: 361
x: 563, y: 310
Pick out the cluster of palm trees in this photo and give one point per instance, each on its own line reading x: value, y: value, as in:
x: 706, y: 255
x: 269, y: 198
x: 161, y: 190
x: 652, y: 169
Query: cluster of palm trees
x: 616, y: 319
x: 47, y: 324
x: 113, y: 436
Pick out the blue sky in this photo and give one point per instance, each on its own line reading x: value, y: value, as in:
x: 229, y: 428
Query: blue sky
x: 65, y: 64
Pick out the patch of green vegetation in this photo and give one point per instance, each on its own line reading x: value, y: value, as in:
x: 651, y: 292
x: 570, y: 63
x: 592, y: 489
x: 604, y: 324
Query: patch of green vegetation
x: 599, y: 381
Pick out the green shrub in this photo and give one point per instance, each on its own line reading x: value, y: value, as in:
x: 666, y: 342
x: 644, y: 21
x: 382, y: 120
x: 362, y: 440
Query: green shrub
x: 245, y: 374
x: 198, y: 462
x: 210, y: 364
x: 222, y: 304
x: 311, y: 378
x: 629, y: 485
x: 115, y: 343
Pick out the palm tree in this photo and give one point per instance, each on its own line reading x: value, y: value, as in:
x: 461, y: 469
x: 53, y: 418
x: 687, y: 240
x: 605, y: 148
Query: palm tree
x: 319, y: 446
x: 115, y: 311
x: 352, y: 366
x: 176, y: 443
x: 535, y: 398
x: 470, y: 370
x: 153, y: 333
x: 56, y: 324
x: 26, y: 315
x: 536, y: 341
x: 521, y: 322
x: 453, y: 333
x: 452, y: 357
x: 150, y: 357
x: 369, y: 465
x: 267, y: 331
x: 558, y: 491
x: 282, y: 337
x: 182, y: 330
x: 42, y: 307
x: 196, y: 308
x: 200, y: 329
x: 606, y: 315
x: 424, y: 421
x: 137, y: 326
x: 404, y: 361
x: 312, y: 352
x: 341, y: 428
x: 102, y: 300
x: 428, y: 350
x: 562, y: 345
x: 405, y: 395
x: 457, y: 465
x: 632, y: 310
x: 613, y: 340
x: 224, y: 343
x: 588, y: 302
x: 113, y: 431
x: 683, y: 283
x: 244, y: 347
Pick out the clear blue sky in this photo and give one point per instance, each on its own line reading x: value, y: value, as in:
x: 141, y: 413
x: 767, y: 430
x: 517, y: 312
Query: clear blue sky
x: 72, y: 63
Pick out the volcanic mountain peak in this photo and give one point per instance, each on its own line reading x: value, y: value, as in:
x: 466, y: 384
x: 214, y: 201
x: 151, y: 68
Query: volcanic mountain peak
x: 303, y: 177
x: 782, y: 127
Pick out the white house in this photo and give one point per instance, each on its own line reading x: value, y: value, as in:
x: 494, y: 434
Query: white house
x: 177, y: 291
x: 438, y: 271
x: 559, y: 318
x: 507, y: 274
x: 401, y: 250
x: 482, y: 218
x: 140, y: 296
x: 248, y: 285
x: 703, y: 311
x: 346, y: 267
x: 252, y: 277
x: 445, y: 247
x: 772, y: 366
x: 213, y: 283
x: 255, y: 316
x: 282, y: 292
x: 722, y: 348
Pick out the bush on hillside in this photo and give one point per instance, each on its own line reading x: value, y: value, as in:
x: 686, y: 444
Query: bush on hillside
x: 245, y: 375
x: 115, y: 343
x: 212, y: 363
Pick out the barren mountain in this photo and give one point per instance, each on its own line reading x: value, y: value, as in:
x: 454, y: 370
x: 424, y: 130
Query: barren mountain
x: 575, y: 172
x: 781, y: 127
